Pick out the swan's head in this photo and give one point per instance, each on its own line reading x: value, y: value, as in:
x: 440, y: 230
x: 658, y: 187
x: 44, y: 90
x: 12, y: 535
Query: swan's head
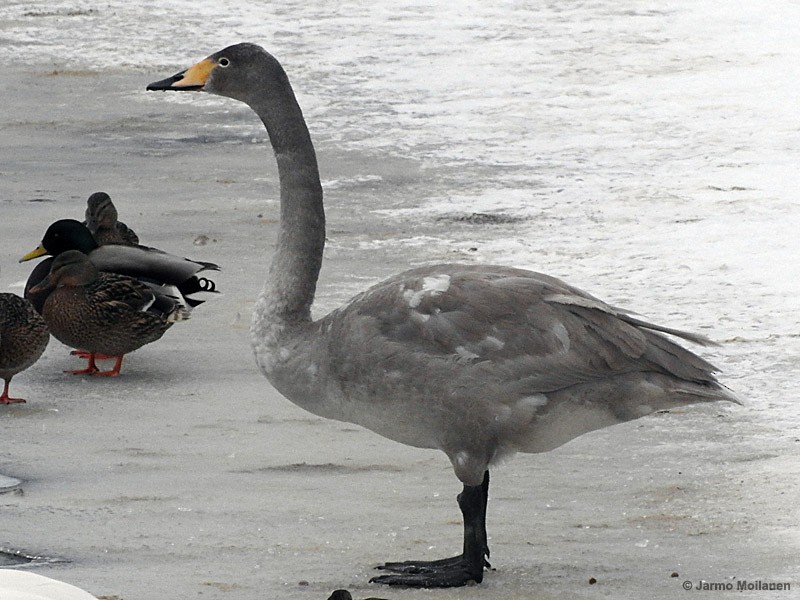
x: 241, y: 71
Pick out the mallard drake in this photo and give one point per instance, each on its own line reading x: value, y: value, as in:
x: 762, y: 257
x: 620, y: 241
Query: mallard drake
x: 102, y: 222
x: 102, y: 313
x: 477, y: 361
x: 175, y: 275
x: 23, y: 338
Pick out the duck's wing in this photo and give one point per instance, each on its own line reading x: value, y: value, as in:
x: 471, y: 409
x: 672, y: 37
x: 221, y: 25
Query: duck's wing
x: 143, y: 262
x: 115, y: 297
x: 112, y: 292
x: 126, y: 234
x: 25, y: 331
x: 169, y: 301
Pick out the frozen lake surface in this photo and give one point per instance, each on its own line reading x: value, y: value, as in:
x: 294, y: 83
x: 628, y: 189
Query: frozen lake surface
x: 649, y: 156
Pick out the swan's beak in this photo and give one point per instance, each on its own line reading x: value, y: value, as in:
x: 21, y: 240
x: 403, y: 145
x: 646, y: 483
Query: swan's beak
x: 40, y: 251
x: 192, y: 79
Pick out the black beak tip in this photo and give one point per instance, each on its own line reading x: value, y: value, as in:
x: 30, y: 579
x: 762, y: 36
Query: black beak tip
x: 164, y: 84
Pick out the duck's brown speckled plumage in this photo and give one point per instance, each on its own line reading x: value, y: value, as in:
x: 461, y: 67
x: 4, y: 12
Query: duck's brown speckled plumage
x: 102, y: 313
x: 102, y: 221
x: 173, y: 275
x: 23, y: 339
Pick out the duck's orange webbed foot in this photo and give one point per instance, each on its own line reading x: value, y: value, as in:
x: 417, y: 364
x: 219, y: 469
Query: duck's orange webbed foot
x: 113, y: 372
x: 90, y: 369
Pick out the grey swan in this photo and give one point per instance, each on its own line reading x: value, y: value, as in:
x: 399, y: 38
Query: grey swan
x: 477, y: 361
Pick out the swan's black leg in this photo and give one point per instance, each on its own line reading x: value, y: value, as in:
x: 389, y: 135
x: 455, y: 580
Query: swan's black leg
x: 458, y: 570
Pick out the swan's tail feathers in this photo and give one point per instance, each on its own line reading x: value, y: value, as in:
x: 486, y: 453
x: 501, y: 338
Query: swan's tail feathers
x: 722, y: 392
x: 698, y: 375
x: 695, y: 338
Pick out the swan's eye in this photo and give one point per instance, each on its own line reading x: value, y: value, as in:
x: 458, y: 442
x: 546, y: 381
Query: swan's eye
x: 223, y: 62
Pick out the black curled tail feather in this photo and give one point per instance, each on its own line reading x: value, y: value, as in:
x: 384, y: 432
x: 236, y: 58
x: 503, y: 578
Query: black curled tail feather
x: 196, y: 284
x: 208, y: 266
x: 207, y: 285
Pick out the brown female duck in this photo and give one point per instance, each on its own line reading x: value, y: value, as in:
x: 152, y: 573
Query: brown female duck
x: 102, y: 221
x: 23, y: 338
x: 154, y: 267
x: 102, y: 313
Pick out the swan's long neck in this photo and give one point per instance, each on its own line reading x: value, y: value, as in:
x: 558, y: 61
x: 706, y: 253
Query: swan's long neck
x: 288, y: 293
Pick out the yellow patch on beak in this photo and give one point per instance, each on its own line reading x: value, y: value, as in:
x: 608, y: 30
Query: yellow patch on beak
x: 40, y: 251
x: 196, y: 75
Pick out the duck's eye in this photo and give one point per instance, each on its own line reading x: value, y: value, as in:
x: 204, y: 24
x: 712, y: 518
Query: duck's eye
x: 223, y: 62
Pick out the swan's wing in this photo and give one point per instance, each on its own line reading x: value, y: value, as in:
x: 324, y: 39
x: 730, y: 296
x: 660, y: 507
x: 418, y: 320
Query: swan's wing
x: 507, y: 324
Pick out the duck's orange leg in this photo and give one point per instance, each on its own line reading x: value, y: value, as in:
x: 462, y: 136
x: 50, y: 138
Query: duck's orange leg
x: 90, y: 369
x: 113, y: 372
x: 85, y: 354
x: 6, y: 399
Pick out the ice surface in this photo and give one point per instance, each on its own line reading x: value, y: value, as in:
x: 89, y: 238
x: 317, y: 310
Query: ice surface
x: 648, y: 154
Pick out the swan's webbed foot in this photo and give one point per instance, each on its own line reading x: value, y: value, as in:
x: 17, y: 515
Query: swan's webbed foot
x: 448, y: 572
x: 422, y: 566
x: 456, y: 571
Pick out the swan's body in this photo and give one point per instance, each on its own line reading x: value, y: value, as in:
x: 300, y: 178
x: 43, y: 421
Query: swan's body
x: 24, y: 585
x: 477, y: 361
x: 481, y: 362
